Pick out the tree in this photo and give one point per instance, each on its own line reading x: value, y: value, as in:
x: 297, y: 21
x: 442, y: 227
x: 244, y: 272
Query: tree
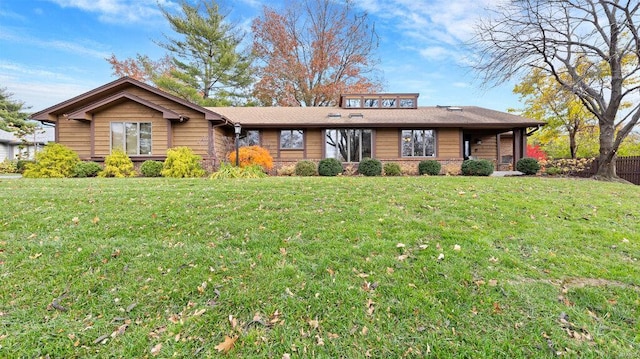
x: 546, y: 100
x: 12, y: 115
x: 142, y: 68
x: 312, y: 52
x: 561, y: 37
x: 206, y: 66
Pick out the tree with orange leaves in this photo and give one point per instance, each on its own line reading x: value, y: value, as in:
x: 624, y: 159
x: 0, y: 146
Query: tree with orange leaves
x: 141, y: 68
x: 313, y: 51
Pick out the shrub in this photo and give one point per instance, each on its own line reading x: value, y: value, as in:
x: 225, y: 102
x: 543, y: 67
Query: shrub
x: 21, y: 165
x: 370, y: 167
x: 528, y: 166
x: 54, y: 161
x: 117, y: 164
x: 181, y: 162
x: 553, y: 171
x: 429, y: 167
x: 253, y: 155
x: 151, y: 168
x: 86, y: 169
x: 306, y: 168
x: 392, y: 169
x: 329, y: 167
x: 289, y: 170
x: 7, y: 166
x: 228, y: 171
x: 477, y: 168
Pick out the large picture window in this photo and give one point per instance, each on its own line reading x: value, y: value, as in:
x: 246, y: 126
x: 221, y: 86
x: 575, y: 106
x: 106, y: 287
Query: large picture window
x: 418, y: 143
x: 134, y: 138
x: 348, y: 145
x: 250, y: 138
x: 291, y: 139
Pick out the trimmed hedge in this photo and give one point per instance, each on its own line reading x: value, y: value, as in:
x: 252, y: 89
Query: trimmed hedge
x: 54, y: 161
x: 151, y: 168
x: 181, y: 162
x: 329, y: 167
x: 429, y: 167
x: 528, y: 166
x: 306, y: 168
x: 370, y: 167
x: 86, y: 169
x: 118, y: 164
x: 477, y: 168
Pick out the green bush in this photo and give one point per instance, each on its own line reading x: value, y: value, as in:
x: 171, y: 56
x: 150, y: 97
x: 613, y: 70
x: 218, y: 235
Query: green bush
x: 429, y: 167
x: 7, y: 166
x: 329, y: 167
x: 54, y: 161
x: 528, y: 166
x: 181, y: 162
x: 392, y: 169
x: 477, y: 168
x: 226, y: 170
x: 306, y: 168
x: 370, y: 167
x: 21, y: 165
x: 86, y: 169
x: 553, y: 171
x: 117, y: 164
x: 151, y: 168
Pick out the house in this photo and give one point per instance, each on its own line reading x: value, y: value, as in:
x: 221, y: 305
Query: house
x: 146, y: 121
x: 12, y: 147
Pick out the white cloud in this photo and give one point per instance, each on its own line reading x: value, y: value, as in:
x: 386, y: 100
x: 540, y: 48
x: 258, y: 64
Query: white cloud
x: 120, y: 11
x: 436, y: 53
x: 89, y: 48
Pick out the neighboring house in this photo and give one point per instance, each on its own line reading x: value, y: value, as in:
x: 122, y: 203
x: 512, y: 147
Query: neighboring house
x: 146, y: 121
x: 12, y: 147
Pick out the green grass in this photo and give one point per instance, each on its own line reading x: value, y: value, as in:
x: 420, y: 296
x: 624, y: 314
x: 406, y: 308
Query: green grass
x: 319, y: 267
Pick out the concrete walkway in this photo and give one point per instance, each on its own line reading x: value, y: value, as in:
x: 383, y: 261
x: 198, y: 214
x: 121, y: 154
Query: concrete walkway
x: 506, y: 173
x: 10, y: 175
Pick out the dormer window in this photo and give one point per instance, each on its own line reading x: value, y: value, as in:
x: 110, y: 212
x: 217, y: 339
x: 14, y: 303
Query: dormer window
x: 382, y: 101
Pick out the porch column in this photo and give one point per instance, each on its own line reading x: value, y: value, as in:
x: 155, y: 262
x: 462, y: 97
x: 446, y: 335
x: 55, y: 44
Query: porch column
x: 519, y: 144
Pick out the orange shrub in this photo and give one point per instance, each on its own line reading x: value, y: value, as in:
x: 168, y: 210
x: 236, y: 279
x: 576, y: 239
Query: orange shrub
x: 253, y: 155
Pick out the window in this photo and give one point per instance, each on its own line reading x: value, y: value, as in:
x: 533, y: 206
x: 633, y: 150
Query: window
x: 249, y: 138
x: 291, y: 139
x: 388, y: 102
x: 418, y: 143
x: 134, y: 138
x: 348, y: 145
x: 353, y: 102
x: 370, y: 102
x: 407, y: 103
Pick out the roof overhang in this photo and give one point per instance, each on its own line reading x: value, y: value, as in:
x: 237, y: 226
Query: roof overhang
x: 84, y: 113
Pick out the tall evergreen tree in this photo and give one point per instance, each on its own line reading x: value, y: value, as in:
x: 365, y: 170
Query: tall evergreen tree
x: 12, y: 113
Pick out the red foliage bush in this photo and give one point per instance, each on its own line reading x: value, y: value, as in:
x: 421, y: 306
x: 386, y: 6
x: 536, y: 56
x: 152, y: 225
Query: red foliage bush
x: 253, y: 155
x: 536, y: 152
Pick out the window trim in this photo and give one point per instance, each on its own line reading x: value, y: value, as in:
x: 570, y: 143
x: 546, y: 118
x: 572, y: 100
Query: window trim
x: 124, y: 139
x: 435, y: 143
x: 246, y: 135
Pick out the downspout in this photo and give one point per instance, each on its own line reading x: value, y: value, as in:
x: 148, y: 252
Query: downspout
x: 212, y: 139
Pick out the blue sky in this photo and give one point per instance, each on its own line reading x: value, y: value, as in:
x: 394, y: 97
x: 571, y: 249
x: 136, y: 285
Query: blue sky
x: 52, y: 50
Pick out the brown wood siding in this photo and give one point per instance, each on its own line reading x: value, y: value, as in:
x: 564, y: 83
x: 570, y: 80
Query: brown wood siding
x: 313, y: 144
x: 76, y: 135
x: 506, y: 146
x: 222, y: 144
x: 387, y: 143
x: 129, y: 111
x: 448, y: 142
x: 270, y: 141
x: 487, y: 149
x: 193, y: 133
x: 291, y: 155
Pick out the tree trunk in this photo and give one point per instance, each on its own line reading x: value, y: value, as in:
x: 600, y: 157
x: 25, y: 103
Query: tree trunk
x: 608, y: 154
x: 572, y: 144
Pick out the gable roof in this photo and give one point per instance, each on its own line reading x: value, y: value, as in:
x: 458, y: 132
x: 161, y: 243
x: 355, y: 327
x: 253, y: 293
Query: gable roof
x: 82, y: 113
x: 435, y: 116
x: 96, y: 98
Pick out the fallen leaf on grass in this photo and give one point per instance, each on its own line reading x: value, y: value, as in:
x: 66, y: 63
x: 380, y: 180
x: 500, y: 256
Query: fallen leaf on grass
x: 75, y: 220
x: 156, y: 349
x: 319, y: 339
x: 400, y: 245
x: 441, y: 256
x: 101, y: 339
x: 233, y: 321
x: 493, y: 282
x: 370, y: 307
x: 333, y: 336
x: 364, y: 330
x: 286, y: 356
x: 95, y: 220
x: 35, y: 256
x: 457, y: 248
x: 331, y: 272
x: 227, y: 344
x: 402, y: 257
x: 314, y: 323
x: 496, y: 307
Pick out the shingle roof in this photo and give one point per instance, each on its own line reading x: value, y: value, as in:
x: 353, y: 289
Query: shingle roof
x: 466, y: 116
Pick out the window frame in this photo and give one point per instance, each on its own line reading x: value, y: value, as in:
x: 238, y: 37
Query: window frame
x: 139, y: 140
x: 243, y: 139
x: 351, y: 134
x: 424, y: 143
x: 291, y: 133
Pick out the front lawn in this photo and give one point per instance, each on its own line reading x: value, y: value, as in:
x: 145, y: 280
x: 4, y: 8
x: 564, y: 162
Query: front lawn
x: 296, y: 267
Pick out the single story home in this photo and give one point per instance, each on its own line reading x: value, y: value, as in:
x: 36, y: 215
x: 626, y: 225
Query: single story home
x: 146, y: 121
x: 12, y: 147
